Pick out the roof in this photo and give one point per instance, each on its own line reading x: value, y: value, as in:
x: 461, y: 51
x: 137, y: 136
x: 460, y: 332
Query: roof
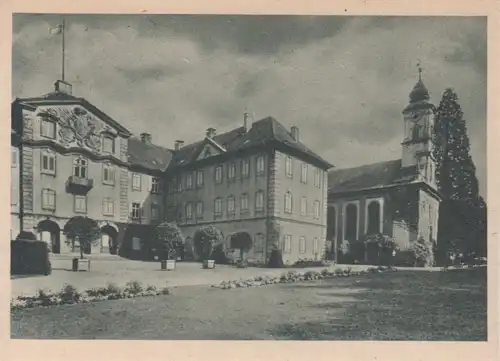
x: 148, y: 155
x: 262, y: 132
x: 376, y: 175
x: 56, y: 97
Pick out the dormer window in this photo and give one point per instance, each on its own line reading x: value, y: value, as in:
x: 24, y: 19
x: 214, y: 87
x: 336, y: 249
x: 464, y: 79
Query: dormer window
x: 48, y: 129
x: 108, y: 144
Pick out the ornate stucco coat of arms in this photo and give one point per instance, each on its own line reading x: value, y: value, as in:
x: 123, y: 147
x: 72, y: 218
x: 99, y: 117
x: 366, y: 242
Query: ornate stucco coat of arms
x: 76, y: 127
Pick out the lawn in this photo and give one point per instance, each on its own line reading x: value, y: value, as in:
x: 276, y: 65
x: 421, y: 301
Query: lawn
x: 404, y: 305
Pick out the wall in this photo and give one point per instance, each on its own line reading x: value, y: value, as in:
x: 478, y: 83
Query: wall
x: 145, y: 198
x: 296, y: 223
x: 14, y: 191
x: 428, y: 216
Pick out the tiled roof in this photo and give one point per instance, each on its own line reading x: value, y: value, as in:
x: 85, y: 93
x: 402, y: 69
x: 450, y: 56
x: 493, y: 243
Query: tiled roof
x: 261, y: 132
x: 148, y: 155
x: 376, y: 175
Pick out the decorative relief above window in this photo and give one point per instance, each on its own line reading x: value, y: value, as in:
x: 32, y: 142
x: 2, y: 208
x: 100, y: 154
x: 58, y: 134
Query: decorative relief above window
x: 77, y: 127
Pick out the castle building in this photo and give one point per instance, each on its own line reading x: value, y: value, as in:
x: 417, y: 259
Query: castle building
x: 398, y: 198
x: 70, y: 158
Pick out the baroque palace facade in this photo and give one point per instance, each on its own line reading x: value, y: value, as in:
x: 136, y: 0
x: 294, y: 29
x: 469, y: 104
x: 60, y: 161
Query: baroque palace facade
x: 70, y: 158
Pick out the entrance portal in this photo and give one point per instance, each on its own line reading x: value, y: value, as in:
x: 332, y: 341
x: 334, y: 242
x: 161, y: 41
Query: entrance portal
x: 50, y: 233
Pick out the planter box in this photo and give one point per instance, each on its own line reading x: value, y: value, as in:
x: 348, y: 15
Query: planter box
x: 170, y: 264
x: 209, y: 264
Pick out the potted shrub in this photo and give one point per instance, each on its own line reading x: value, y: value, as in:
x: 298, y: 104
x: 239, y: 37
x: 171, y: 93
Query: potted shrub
x: 167, y: 239
x: 85, y: 232
x: 243, y: 242
x: 205, y: 239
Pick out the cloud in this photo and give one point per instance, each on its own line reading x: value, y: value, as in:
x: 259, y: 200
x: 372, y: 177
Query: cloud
x: 342, y: 81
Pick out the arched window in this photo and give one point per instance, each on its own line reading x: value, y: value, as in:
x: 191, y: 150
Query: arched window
x: 288, y: 202
x: 80, y: 168
x: 351, y: 222
x: 373, y: 218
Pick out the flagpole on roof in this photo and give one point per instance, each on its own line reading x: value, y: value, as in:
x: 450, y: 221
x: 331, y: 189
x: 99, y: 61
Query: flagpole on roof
x: 63, y: 26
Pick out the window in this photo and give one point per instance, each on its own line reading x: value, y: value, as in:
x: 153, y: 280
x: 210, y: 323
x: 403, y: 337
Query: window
x: 316, y: 209
x: 199, y: 210
x: 13, y: 163
x: 108, y: 145
x: 317, y: 178
x: 108, y: 174
x: 48, y: 199
x: 218, y: 207
x: 172, y: 187
x: 189, y: 211
x: 48, y: 163
x: 244, y: 203
x: 136, y: 182
x: 245, y: 168
x: 218, y: 174
x: 189, y: 181
x: 80, y: 204
x: 259, y: 243
x: 288, y: 167
x: 287, y: 247
x: 303, y: 206
x: 48, y: 128
x: 155, y: 185
x: 155, y: 211
x: 302, y: 244
x: 230, y: 205
x: 199, y: 178
x: 108, y: 206
x: 260, y: 165
x: 136, y: 210
x: 315, y: 245
x: 288, y: 202
x: 179, y: 184
x: 80, y: 168
x: 231, y: 171
x: 303, y: 175
x: 259, y: 201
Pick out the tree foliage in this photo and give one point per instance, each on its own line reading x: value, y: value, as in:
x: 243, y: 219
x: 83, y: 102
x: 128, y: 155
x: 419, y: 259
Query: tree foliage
x: 168, y: 237
x: 205, y: 238
x: 82, y: 230
x: 241, y: 241
x: 463, y: 220
x: 422, y: 252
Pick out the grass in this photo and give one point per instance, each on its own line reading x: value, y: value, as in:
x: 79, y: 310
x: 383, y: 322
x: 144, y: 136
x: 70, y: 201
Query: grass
x: 402, y: 305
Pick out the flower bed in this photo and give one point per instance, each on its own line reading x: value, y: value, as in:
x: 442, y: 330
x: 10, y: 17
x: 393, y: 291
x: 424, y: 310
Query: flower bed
x: 294, y: 276
x: 70, y: 295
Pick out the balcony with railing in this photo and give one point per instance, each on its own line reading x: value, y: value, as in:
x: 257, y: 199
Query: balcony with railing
x: 79, y: 185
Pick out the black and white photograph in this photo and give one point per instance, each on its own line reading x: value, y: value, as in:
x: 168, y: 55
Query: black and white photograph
x: 248, y: 177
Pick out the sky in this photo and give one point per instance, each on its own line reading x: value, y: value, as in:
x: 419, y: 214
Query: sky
x: 342, y: 80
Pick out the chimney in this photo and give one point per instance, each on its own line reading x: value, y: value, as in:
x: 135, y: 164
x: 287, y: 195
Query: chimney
x: 63, y: 87
x: 295, y: 133
x: 146, y: 138
x: 178, y: 144
x: 211, y: 132
x: 245, y: 121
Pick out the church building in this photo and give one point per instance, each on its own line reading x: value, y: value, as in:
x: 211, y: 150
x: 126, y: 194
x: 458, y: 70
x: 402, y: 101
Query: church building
x: 398, y: 198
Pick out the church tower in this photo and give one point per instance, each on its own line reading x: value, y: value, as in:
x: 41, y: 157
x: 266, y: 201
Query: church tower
x: 419, y: 122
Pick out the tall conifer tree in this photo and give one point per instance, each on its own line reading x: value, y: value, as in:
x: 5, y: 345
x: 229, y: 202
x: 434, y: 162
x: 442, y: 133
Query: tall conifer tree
x: 464, y: 210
